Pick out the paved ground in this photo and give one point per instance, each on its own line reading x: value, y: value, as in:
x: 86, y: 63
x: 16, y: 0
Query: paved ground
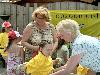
x: 3, y: 71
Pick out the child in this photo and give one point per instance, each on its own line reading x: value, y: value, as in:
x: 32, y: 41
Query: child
x: 41, y: 64
x: 14, y: 53
x: 62, y: 52
x: 6, y: 27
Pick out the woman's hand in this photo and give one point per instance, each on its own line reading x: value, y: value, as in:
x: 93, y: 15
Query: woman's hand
x: 35, y: 48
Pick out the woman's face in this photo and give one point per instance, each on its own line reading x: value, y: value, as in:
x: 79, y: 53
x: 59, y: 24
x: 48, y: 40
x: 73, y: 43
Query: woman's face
x: 66, y: 35
x: 40, y: 19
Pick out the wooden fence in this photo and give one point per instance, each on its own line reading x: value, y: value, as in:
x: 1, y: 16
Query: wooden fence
x: 20, y: 16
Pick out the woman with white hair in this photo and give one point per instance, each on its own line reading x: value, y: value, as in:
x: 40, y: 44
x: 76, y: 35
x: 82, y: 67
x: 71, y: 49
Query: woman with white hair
x: 85, y: 49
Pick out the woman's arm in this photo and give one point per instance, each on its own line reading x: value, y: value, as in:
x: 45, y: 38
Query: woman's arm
x: 69, y: 66
x: 26, y: 35
x: 61, y: 72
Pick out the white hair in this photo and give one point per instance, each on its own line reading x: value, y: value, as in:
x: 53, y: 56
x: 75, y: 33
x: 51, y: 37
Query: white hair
x: 70, y: 25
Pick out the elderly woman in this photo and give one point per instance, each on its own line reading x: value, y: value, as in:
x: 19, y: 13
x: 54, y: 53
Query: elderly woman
x: 38, y: 32
x: 85, y: 49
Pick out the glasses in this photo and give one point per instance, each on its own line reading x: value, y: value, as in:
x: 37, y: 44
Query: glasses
x: 40, y: 17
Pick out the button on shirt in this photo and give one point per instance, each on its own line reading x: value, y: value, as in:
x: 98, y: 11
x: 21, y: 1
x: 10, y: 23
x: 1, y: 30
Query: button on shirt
x: 90, y: 49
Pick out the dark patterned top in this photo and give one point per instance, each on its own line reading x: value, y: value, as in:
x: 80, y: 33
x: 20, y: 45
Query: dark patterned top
x: 90, y: 47
x: 38, y: 36
x: 41, y: 35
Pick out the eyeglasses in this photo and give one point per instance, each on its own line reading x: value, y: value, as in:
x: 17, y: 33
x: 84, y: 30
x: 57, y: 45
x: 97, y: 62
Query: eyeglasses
x: 40, y: 17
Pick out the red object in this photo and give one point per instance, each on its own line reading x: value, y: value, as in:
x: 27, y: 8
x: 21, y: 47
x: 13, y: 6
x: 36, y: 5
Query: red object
x: 11, y: 35
x: 36, y: 52
x: 6, y: 24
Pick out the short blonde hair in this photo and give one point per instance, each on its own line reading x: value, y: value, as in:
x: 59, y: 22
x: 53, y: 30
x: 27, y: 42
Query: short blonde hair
x: 70, y: 25
x: 43, y: 12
